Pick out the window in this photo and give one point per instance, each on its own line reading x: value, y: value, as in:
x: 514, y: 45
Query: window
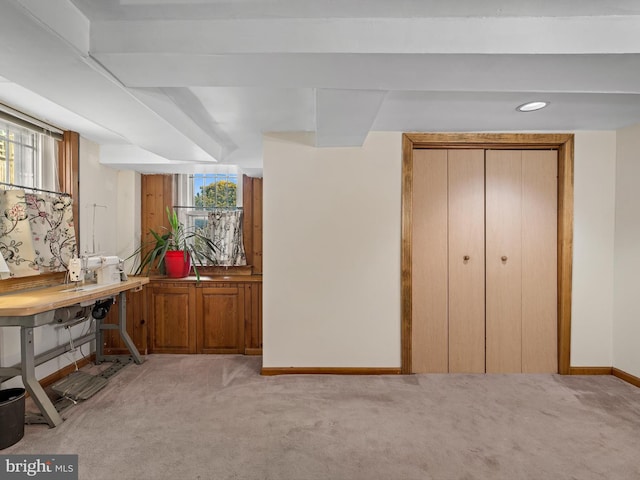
x: 29, y: 151
x: 215, y: 190
x: 200, y: 194
x: 20, y: 156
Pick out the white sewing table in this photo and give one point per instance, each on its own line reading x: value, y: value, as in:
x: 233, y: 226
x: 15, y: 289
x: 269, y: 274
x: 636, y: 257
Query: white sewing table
x: 30, y: 309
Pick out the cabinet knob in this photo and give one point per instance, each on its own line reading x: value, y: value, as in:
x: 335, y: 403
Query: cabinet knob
x: 504, y: 258
x: 466, y: 258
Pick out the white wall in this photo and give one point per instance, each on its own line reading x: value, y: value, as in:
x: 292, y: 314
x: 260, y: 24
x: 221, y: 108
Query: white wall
x: 593, y: 246
x: 98, y: 202
x: 332, y: 251
x: 626, y: 331
x: 128, y: 214
x: 114, y: 226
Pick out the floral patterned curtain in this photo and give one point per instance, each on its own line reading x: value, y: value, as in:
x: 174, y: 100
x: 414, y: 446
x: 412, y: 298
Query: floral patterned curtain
x: 52, y: 230
x: 225, y: 228
x: 16, y: 244
x: 36, y: 232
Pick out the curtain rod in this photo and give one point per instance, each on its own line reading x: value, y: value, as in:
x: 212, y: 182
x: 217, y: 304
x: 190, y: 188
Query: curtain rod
x: 207, y: 208
x: 23, y: 187
x: 27, y: 121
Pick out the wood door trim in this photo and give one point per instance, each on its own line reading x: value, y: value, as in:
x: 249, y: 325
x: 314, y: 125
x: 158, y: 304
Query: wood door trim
x: 560, y: 141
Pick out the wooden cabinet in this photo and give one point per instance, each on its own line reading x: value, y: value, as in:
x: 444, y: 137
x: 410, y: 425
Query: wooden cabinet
x: 215, y: 315
x: 136, y: 324
x: 172, y: 310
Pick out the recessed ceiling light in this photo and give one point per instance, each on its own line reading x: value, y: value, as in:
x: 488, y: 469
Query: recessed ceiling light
x: 531, y: 106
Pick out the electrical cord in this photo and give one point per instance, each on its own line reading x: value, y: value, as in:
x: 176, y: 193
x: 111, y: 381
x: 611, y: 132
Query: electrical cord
x: 72, y: 347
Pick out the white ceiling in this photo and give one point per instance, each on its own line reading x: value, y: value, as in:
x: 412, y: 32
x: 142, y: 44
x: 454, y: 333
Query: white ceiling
x: 180, y: 85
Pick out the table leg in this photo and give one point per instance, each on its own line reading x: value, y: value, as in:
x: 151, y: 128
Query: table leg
x: 122, y: 328
x: 31, y: 384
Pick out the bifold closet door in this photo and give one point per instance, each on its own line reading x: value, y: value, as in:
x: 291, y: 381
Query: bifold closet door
x: 429, y: 331
x: 504, y: 260
x: 540, y: 261
x: 466, y: 261
x: 448, y: 328
x: 521, y: 261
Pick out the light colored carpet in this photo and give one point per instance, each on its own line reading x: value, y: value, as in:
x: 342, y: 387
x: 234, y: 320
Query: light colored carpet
x: 215, y: 417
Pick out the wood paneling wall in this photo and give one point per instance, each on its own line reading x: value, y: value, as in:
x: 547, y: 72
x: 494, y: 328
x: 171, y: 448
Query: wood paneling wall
x: 69, y: 173
x: 157, y: 195
x: 252, y: 221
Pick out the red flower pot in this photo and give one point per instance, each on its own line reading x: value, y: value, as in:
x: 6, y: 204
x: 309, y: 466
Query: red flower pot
x: 177, y: 264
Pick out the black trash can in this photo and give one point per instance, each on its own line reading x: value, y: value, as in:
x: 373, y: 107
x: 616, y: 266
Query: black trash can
x: 11, y: 416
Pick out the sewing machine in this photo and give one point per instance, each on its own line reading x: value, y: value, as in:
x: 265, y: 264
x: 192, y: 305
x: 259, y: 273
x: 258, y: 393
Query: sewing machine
x: 108, y: 270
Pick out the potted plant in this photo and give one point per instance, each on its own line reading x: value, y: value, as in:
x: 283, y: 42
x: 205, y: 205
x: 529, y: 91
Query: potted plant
x: 173, y: 251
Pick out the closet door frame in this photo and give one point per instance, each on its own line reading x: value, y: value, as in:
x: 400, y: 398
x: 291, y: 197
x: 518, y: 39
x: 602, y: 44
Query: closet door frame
x: 563, y: 143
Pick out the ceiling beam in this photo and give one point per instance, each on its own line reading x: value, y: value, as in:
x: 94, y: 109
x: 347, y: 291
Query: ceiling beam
x: 452, y: 35
x: 411, y: 72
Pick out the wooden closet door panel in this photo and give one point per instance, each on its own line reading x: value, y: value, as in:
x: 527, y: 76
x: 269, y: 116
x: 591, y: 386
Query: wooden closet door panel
x: 504, y: 260
x: 466, y: 277
x: 429, y: 263
x: 539, y: 261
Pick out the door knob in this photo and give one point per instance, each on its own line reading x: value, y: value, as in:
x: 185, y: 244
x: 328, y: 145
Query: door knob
x: 466, y: 258
x: 504, y: 258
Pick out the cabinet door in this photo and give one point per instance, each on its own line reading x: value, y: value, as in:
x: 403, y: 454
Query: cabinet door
x: 221, y: 319
x: 172, y: 314
x: 466, y: 261
x: 136, y: 324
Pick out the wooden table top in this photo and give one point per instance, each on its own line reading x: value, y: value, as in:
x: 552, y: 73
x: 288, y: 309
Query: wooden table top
x: 38, y: 300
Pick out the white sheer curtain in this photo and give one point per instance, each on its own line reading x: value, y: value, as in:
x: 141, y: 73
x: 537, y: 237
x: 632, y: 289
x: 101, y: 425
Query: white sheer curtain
x: 49, y: 164
x: 225, y: 230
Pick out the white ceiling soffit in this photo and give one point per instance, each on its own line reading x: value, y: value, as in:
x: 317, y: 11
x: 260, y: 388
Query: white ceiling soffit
x: 43, y: 61
x: 344, y: 117
x: 198, y: 80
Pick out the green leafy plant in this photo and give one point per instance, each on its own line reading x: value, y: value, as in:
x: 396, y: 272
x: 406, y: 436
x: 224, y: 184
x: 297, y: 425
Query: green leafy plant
x: 177, y: 237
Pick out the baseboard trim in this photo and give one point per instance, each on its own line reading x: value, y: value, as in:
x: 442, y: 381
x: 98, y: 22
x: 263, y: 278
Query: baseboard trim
x: 627, y: 377
x: 590, y: 370
x: 616, y: 372
x: 268, y: 371
x: 253, y: 351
